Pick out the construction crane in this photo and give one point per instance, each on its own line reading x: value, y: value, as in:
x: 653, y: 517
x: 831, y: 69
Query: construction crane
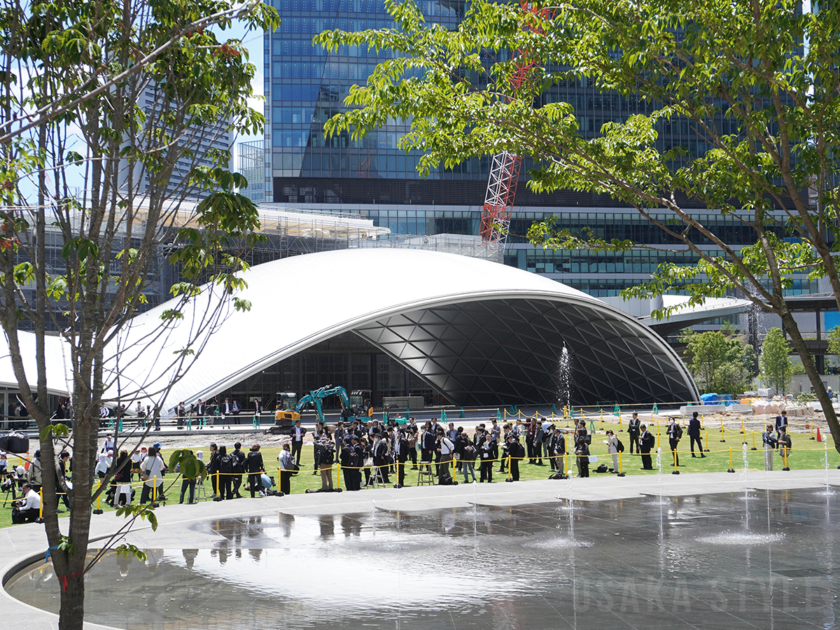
x: 505, y: 168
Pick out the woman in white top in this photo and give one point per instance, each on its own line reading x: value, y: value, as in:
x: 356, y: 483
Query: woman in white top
x: 612, y: 449
x: 153, y: 468
x: 103, y: 464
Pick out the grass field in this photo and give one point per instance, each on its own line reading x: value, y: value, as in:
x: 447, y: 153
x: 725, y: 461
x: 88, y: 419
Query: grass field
x: 806, y: 454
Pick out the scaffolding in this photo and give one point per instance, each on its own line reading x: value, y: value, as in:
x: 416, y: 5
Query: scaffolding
x: 462, y: 244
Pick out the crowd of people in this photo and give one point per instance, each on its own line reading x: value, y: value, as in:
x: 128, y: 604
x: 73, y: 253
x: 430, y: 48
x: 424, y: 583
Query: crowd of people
x: 370, y: 454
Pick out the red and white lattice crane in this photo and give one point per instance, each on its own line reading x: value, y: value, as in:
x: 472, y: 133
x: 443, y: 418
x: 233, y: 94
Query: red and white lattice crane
x: 504, y: 171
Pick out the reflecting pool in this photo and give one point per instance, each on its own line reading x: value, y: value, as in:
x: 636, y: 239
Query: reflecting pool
x: 707, y: 561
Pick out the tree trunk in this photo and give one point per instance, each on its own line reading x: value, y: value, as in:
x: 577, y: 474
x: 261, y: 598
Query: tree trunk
x: 72, y: 616
x: 813, y: 375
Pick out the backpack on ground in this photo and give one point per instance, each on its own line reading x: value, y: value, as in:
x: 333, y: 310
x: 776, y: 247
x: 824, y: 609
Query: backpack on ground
x: 558, y: 475
x: 619, y: 445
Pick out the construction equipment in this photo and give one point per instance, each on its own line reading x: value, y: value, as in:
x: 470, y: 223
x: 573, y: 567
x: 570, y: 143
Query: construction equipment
x: 287, y: 410
x: 289, y: 407
x: 504, y: 171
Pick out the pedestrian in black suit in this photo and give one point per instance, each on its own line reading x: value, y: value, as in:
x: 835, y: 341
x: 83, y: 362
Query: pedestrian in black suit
x: 402, y: 449
x: 582, y: 457
x: 380, y: 454
x: 516, y: 452
x: 674, y: 437
x: 344, y: 460
x: 781, y: 422
x: 297, y: 432
x: 633, y: 431
x: 255, y: 467
x: 646, y: 444
x: 489, y: 453
x: 356, y: 461
x: 694, y: 435
x: 428, y: 444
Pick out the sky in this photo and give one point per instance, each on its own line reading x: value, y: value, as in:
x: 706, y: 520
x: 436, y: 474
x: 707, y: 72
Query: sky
x: 253, y: 41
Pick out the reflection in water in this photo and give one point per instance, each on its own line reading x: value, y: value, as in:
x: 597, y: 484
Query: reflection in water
x: 482, y: 567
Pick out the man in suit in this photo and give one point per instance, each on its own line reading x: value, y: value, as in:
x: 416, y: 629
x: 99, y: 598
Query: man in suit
x: 516, y: 452
x: 297, y: 432
x: 646, y: 444
x: 694, y: 435
x: 781, y: 422
x: 582, y: 456
x: 674, y: 436
x: 557, y: 451
x: 401, y: 450
x: 429, y: 445
x: 489, y: 452
x: 344, y: 460
x: 356, y: 461
x: 238, y: 467
x: 633, y: 431
x: 380, y: 452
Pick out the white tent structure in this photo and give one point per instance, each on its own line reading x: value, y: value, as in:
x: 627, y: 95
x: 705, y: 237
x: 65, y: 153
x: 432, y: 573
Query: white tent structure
x: 476, y: 331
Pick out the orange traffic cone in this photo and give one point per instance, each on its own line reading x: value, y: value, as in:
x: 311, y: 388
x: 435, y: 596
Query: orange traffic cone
x: 819, y: 435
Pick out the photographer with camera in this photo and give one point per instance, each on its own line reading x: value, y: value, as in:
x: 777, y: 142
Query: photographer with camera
x: 28, y: 508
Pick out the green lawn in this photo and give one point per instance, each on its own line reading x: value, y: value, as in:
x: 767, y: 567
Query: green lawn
x: 805, y: 454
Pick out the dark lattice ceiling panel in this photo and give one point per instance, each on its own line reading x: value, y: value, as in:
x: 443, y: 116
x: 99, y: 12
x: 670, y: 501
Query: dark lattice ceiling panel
x: 496, y: 351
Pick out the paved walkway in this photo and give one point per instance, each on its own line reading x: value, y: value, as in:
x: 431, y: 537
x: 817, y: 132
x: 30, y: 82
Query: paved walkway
x: 23, y: 544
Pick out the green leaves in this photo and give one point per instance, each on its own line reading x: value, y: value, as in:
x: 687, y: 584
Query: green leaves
x: 776, y: 368
x: 189, y: 465
x: 84, y: 248
x: 66, y: 545
x: 127, y: 550
x: 144, y: 512
x: 53, y: 431
x: 720, y: 362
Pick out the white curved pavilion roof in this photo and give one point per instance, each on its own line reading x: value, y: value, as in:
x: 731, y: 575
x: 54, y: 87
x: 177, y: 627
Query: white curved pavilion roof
x: 478, y: 332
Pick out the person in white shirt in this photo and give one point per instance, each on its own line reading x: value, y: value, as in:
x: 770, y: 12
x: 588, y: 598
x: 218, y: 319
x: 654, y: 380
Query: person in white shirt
x: 29, y: 507
x: 103, y: 414
x: 103, y: 464
x: 110, y: 443
x: 612, y: 448
x: 445, y: 447
x: 153, y: 468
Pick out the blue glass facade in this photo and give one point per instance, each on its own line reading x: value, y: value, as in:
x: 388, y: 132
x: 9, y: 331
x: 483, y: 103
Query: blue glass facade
x: 306, y: 85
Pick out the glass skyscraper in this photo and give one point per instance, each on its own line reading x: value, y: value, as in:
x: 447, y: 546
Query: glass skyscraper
x: 305, y: 86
